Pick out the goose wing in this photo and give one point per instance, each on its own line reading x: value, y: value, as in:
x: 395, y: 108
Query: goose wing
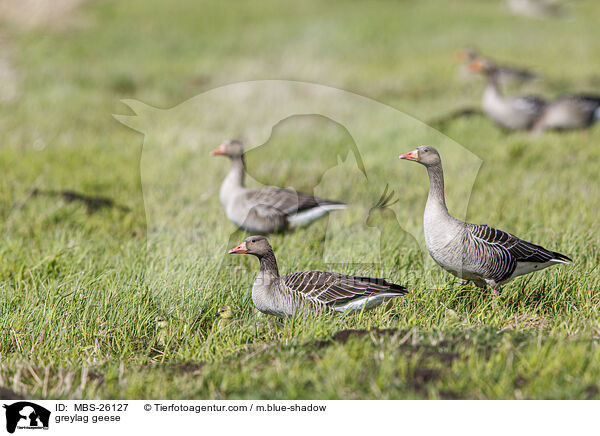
x: 516, y: 73
x: 286, y: 201
x: 530, y: 104
x: 585, y: 103
x: 268, y: 216
x: 331, y: 289
x: 498, y: 252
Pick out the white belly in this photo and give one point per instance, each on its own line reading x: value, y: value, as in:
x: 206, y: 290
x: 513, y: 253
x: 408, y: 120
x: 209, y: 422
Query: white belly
x: 365, y: 303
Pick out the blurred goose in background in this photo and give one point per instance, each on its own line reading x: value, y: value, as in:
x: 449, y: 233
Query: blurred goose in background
x: 511, y: 113
x: 269, y: 209
x: 536, y: 8
x: 504, y: 73
x: 569, y: 112
x: 313, y: 291
x: 482, y: 254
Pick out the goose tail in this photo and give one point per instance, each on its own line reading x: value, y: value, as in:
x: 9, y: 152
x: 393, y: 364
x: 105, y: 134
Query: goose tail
x: 332, y: 205
x: 561, y: 258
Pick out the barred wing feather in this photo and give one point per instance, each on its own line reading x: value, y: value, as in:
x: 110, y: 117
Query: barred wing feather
x: 332, y: 289
x: 500, y: 251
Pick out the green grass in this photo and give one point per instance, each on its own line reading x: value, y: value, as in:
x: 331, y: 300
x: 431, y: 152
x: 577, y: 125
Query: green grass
x: 80, y: 293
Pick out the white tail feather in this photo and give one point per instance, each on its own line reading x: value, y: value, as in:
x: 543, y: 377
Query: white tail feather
x: 307, y: 216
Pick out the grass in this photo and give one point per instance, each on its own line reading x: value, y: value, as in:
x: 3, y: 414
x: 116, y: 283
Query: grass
x: 81, y: 292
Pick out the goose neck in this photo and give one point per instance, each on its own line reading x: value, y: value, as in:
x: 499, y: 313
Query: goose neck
x: 436, y: 198
x: 234, y: 181
x: 269, y: 271
x: 492, y: 87
x: 237, y: 171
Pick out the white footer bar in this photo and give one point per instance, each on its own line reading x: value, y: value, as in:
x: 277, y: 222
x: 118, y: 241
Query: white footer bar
x: 159, y: 417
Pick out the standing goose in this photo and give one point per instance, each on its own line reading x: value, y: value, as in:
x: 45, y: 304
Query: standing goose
x: 269, y: 209
x: 569, y: 112
x: 511, y: 113
x: 505, y: 73
x: 482, y: 254
x: 310, y: 290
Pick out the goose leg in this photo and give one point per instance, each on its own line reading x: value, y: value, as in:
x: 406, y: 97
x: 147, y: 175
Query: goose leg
x: 495, y: 287
x: 481, y: 284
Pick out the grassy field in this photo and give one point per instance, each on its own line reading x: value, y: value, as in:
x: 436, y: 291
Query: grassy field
x: 81, y: 292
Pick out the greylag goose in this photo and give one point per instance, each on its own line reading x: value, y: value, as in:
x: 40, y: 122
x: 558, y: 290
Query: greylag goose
x: 570, y: 112
x: 269, y: 209
x: 313, y: 291
x: 536, y: 8
x: 482, y: 254
x: 504, y: 73
x: 511, y: 113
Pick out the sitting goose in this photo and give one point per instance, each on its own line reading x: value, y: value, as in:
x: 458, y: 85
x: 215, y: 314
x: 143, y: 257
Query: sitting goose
x: 511, y: 113
x: 269, y: 209
x: 482, y: 254
x: 311, y: 290
x: 569, y: 112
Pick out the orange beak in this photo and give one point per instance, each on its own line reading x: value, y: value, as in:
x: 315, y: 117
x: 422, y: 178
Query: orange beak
x: 240, y: 249
x: 412, y: 155
x: 476, y: 66
x: 219, y: 150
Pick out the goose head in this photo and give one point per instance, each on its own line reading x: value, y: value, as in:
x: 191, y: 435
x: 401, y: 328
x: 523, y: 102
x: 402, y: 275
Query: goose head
x: 484, y: 66
x: 232, y: 148
x: 161, y: 322
x: 224, y: 312
x: 465, y: 55
x: 425, y: 155
x: 256, y: 245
